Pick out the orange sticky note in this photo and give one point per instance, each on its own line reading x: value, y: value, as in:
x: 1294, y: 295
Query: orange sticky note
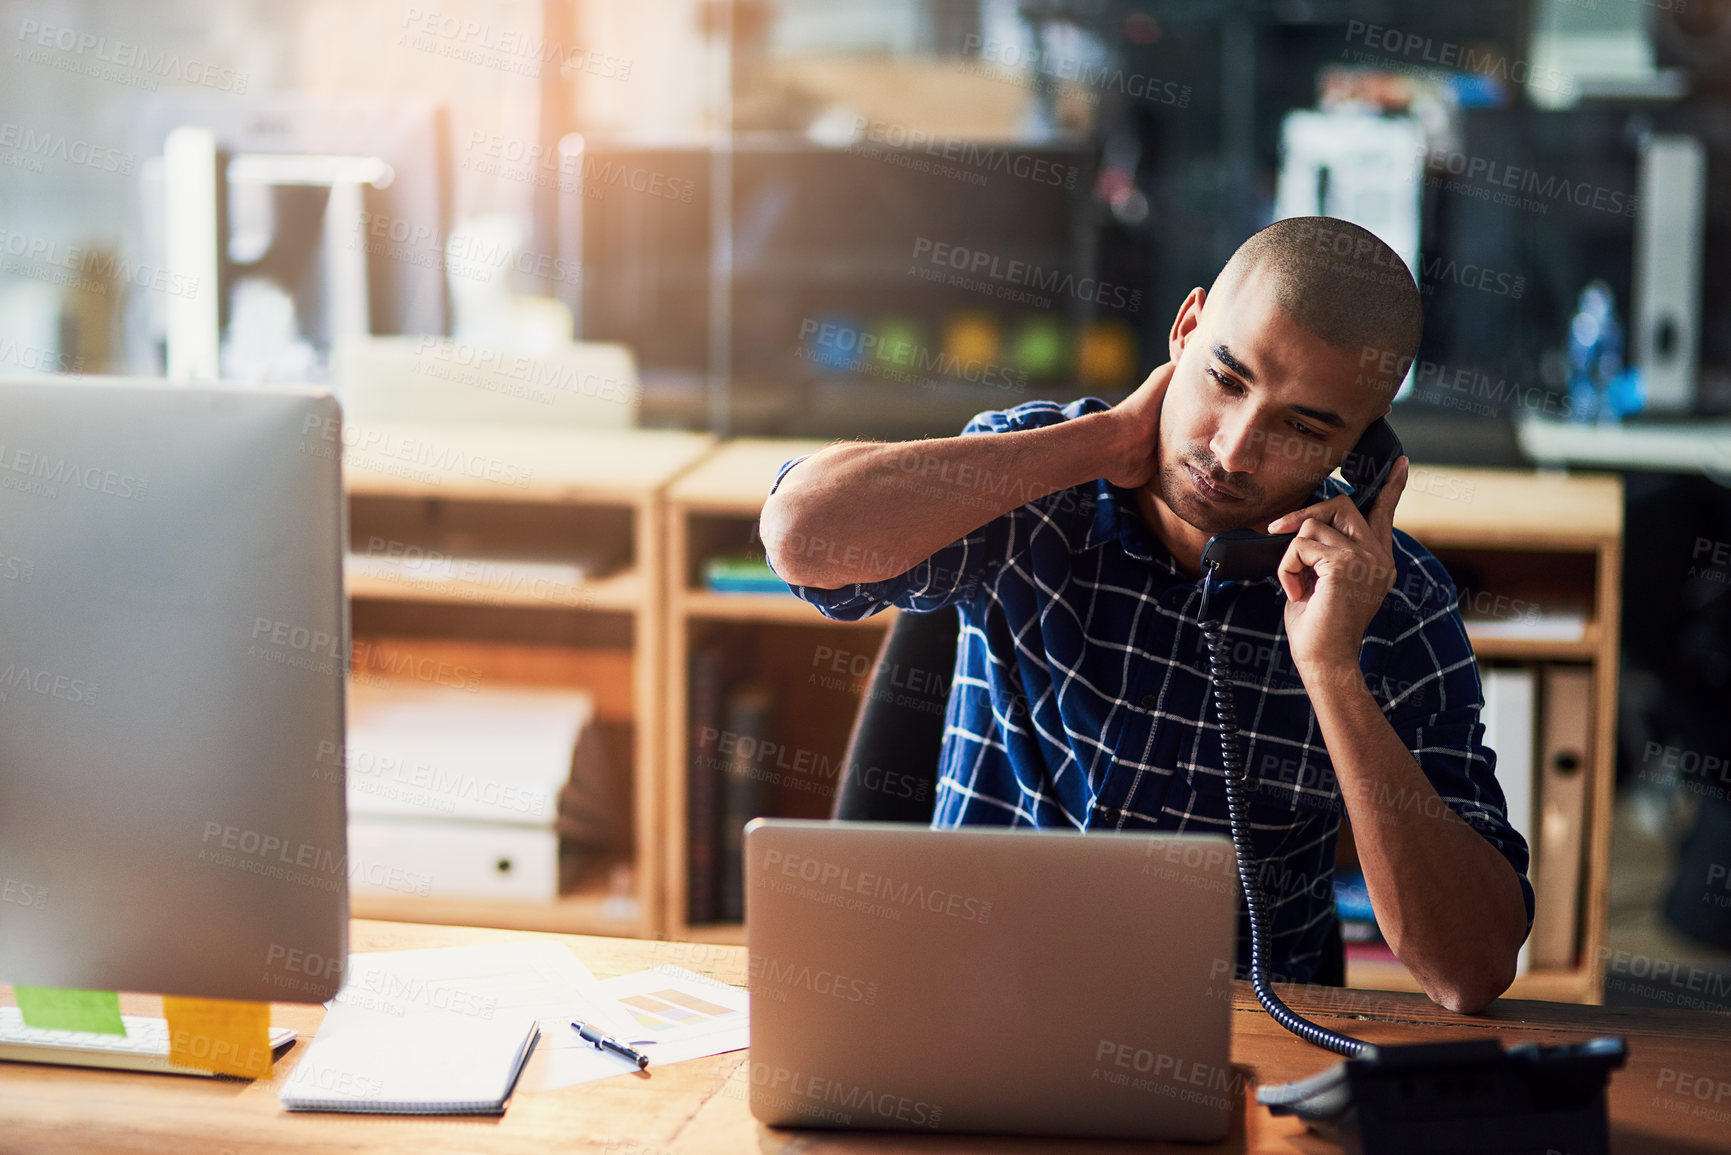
x: 221, y: 1035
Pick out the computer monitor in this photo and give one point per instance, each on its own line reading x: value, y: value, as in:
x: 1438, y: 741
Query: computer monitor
x: 173, y: 644
x: 276, y: 238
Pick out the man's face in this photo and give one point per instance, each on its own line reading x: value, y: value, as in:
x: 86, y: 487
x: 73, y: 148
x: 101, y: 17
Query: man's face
x: 1257, y: 412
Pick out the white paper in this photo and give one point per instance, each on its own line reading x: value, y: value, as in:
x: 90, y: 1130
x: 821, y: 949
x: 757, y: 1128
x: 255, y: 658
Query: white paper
x: 671, y: 1014
x: 534, y: 979
x: 1558, y: 626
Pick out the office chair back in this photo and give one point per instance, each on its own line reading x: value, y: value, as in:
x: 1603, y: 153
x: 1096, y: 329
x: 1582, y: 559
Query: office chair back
x: 890, y: 771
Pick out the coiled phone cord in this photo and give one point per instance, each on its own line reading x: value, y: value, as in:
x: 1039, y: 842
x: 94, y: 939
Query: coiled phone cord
x: 1232, y: 759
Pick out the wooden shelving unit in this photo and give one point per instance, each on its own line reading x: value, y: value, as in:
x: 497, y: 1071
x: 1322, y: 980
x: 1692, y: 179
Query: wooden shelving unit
x: 714, y: 508
x: 549, y: 497
x: 1551, y: 542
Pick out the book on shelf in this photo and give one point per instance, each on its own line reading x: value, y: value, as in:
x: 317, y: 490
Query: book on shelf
x: 743, y: 790
x: 1352, y: 907
x: 741, y: 573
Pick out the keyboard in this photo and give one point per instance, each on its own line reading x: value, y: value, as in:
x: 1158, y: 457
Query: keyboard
x: 144, y: 1047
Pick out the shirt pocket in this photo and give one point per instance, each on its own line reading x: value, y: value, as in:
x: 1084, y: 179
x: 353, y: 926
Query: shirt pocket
x: 1288, y: 786
x: 1139, y: 786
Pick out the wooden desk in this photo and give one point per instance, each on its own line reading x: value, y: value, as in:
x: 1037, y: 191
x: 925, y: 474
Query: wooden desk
x: 1680, y: 1063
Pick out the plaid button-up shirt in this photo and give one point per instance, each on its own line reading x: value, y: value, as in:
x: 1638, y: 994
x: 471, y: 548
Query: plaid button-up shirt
x: 1080, y: 692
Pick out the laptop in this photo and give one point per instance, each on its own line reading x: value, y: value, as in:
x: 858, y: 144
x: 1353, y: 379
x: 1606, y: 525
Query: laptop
x: 991, y: 980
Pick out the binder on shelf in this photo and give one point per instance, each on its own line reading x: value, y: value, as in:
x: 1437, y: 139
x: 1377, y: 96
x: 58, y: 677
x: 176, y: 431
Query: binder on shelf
x: 1565, y: 745
x: 703, y: 786
x: 1510, y: 718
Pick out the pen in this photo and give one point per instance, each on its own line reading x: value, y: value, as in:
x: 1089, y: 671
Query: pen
x: 600, y: 1039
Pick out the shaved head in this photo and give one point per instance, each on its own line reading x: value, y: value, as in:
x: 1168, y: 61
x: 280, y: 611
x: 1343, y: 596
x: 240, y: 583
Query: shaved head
x: 1338, y: 282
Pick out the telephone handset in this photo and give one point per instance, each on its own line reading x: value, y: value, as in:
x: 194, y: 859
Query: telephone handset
x: 1245, y: 554
x: 1241, y: 555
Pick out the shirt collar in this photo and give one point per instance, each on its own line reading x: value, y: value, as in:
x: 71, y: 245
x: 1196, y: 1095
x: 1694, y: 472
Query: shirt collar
x: 1116, y: 519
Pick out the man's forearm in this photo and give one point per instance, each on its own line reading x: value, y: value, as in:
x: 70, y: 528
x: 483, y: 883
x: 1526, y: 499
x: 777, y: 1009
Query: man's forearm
x: 863, y: 511
x: 1447, y: 902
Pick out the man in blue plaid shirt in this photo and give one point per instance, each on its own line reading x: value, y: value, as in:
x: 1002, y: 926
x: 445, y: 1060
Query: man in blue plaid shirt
x: 1070, y: 539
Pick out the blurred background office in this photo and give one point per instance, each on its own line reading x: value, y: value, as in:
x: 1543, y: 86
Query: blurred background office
x: 875, y: 218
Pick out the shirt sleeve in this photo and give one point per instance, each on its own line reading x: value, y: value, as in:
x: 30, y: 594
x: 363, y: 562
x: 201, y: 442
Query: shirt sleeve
x: 1434, y: 696
x: 952, y: 575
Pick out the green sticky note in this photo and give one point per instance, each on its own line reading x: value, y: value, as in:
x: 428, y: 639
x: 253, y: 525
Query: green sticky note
x: 53, y: 1009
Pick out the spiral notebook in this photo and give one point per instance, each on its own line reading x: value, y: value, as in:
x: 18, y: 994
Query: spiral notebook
x: 441, y: 1032
x: 448, y: 1065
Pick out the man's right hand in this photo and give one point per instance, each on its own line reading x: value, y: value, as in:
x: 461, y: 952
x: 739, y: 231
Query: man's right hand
x: 1136, y: 423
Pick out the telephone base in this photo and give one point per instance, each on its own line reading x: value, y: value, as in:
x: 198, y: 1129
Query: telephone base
x: 1474, y: 1098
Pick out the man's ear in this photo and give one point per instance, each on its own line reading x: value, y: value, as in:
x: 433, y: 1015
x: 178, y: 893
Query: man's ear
x: 1185, y: 323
